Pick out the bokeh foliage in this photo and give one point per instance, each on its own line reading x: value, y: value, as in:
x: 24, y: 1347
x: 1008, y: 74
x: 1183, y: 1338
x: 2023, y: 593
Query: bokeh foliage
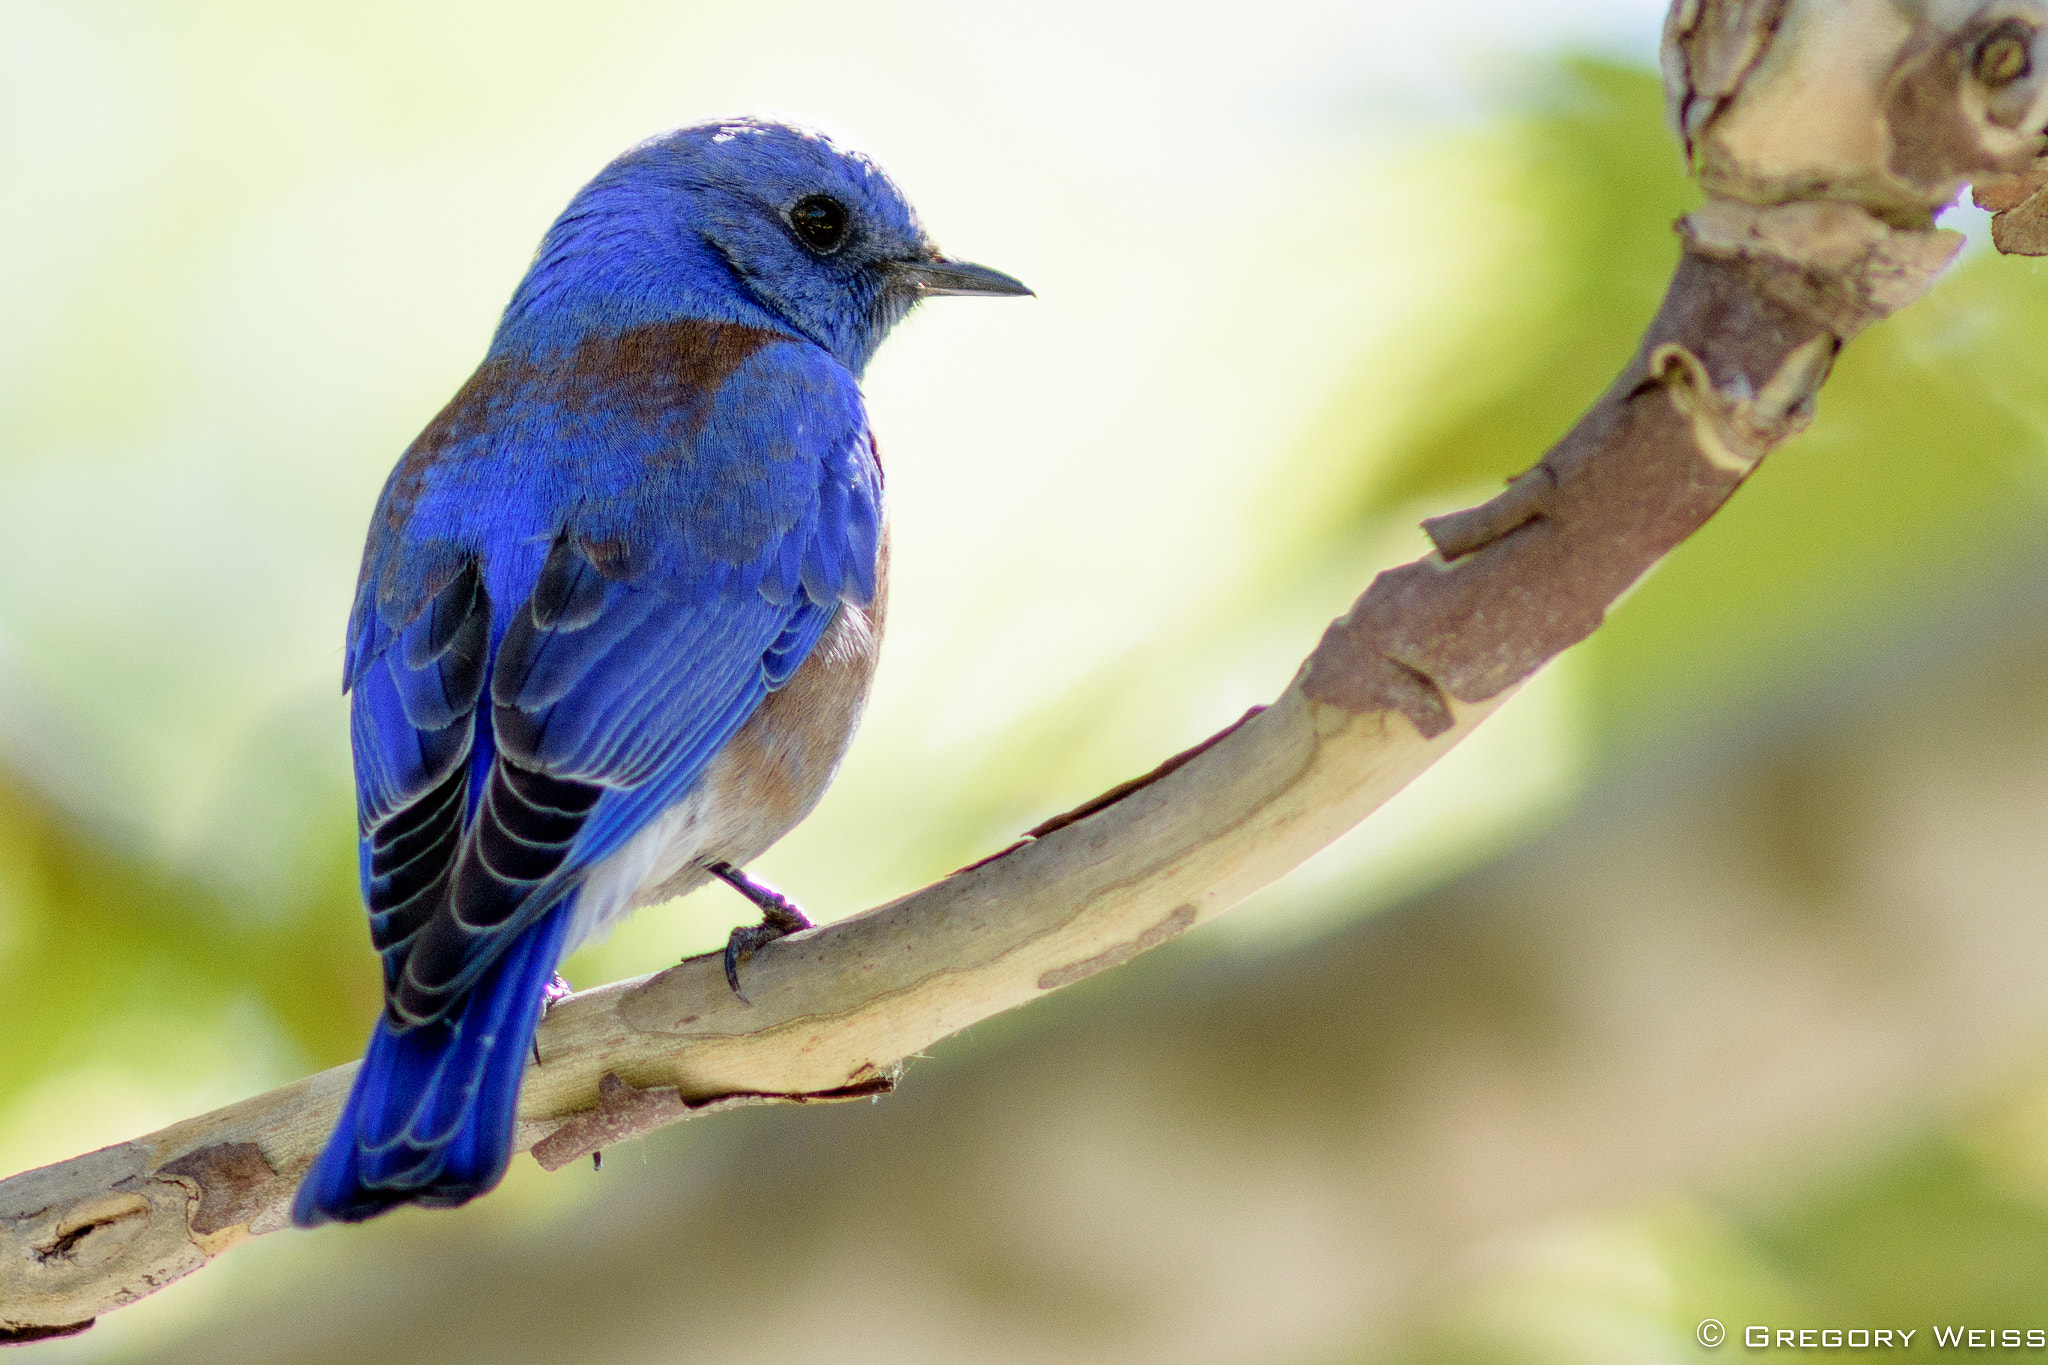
x: 142, y: 984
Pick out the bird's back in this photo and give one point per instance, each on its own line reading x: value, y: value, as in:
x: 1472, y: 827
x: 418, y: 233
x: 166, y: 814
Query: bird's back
x: 617, y: 611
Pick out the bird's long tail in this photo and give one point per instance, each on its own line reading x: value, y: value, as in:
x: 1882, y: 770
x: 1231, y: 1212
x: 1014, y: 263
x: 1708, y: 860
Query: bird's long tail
x: 430, y: 1118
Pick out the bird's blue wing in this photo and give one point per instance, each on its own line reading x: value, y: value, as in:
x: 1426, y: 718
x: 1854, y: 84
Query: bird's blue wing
x: 528, y: 696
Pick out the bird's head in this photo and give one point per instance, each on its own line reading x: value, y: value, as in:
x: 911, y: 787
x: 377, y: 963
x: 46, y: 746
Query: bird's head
x: 725, y: 218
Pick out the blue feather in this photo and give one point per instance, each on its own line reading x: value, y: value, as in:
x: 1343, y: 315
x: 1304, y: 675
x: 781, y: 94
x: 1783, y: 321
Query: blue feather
x: 431, y: 1115
x: 633, y: 523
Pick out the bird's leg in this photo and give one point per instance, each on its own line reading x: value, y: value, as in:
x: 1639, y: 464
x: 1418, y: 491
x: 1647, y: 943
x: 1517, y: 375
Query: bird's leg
x: 779, y: 916
x: 558, y: 988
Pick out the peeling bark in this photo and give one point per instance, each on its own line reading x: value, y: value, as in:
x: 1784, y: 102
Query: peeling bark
x: 1826, y: 133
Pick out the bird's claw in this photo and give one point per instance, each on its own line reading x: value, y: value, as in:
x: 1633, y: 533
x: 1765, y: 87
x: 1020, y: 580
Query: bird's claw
x: 558, y: 988
x: 779, y: 917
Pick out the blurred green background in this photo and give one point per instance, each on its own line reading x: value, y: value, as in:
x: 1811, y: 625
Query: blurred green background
x: 1709, y: 980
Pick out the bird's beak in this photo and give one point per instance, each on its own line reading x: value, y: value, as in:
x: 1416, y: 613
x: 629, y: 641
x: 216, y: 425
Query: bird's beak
x: 940, y: 276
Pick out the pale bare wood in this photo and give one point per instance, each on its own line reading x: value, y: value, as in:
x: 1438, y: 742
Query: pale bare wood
x: 1827, y: 131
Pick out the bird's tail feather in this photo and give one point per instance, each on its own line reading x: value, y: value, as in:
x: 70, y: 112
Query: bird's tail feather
x: 430, y: 1118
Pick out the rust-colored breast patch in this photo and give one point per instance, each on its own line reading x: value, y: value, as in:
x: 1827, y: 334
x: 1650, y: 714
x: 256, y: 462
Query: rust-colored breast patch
x: 643, y: 374
x: 468, y: 414
x: 657, y: 369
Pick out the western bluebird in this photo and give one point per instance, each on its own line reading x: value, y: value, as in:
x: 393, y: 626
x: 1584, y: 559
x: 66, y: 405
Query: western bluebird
x: 618, y: 612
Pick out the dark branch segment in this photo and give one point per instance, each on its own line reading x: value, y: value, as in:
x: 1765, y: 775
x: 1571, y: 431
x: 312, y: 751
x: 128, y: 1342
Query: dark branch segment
x: 1729, y: 367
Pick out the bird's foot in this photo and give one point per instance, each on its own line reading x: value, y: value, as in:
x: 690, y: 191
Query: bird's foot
x: 779, y: 917
x: 558, y: 988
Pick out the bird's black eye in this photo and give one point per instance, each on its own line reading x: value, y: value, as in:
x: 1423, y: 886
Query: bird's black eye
x: 820, y: 223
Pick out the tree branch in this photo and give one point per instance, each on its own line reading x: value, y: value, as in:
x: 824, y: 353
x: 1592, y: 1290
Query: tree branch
x: 1826, y: 134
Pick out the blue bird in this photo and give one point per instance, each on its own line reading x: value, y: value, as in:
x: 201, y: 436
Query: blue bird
x: 617, y: 615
